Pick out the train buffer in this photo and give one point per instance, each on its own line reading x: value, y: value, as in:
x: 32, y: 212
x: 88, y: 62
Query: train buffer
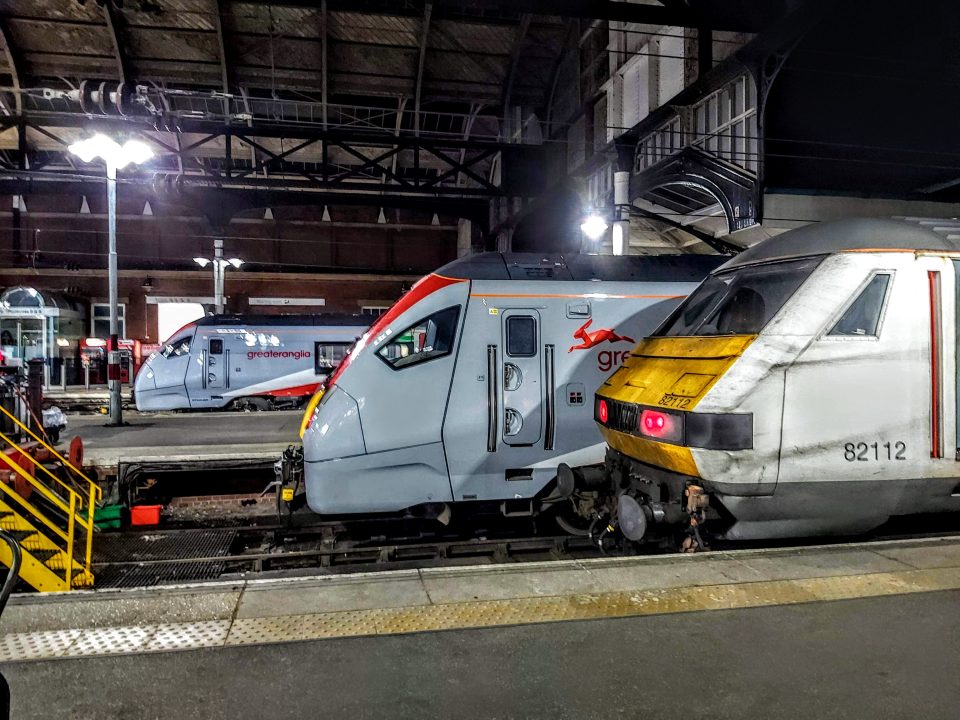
x: 47, y: 503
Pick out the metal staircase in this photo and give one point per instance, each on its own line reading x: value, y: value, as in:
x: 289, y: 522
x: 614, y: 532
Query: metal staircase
x: 47, y: 504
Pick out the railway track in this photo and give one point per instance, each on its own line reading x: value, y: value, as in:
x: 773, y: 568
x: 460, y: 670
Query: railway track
x: 133, y: 559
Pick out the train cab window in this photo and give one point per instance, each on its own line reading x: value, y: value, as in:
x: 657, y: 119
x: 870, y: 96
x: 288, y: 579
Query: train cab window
x: 177, y: 346
x: 740, y: 301
x: 521, y: 336
x: 216, y: 346
x: 862, y: 318
x: 427, y: 339
x: 328, y: 356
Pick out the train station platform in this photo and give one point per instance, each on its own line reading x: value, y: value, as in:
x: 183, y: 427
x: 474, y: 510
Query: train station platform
x: 843, y: 631
x: 163, y: 440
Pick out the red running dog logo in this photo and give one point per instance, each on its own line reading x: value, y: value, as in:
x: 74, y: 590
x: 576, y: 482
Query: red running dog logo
x: 592, y: 339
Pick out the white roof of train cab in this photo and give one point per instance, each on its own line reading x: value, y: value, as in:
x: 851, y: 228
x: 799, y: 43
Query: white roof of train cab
x: 581, y: 267
x: 827, y: 238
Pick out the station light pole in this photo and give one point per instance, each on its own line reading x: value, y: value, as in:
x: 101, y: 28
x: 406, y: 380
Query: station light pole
x: 220, y: 265
x: 115, y: 156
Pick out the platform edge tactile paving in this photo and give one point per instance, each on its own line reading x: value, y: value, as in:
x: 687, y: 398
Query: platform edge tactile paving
x: 482, y: 613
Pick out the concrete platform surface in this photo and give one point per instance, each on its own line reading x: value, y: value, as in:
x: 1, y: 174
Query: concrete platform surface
x: 258, y: 612
x: 889, y: 658
x: 184, y: 436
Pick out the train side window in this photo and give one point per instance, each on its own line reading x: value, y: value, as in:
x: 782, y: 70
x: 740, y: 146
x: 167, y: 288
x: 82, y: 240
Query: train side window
x: 521, y: 336
x: 862, y: 318
x: 216, y: 346
x: 426, y: 339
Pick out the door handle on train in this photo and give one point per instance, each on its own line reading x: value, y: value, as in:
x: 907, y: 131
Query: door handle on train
x: 493, y: 404
x: 512, y: 377
x: 211, y: 377
x: 549, y: 399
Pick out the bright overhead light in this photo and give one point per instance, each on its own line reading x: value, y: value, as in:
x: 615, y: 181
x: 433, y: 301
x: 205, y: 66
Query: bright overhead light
x: 202, y: 262
x: 594, y: 226
x: 236, y: 262
x: 100, y: 146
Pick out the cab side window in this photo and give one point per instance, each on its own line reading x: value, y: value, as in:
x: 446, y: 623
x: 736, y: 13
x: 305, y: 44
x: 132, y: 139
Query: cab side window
x: 862, y: 318
x: 426, y: 339
x: 178, y: 346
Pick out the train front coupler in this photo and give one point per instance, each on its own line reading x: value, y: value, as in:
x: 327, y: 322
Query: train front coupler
x: 288, y: 482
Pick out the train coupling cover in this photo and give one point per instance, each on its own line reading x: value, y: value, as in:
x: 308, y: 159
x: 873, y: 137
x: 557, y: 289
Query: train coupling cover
x: 288, y: 471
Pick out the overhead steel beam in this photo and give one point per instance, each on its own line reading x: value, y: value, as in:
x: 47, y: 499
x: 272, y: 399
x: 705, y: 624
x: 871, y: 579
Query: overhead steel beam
x: 674, y: 13
x: 115, y: 25
x: 421, y: 59
x: 324, y: 71
x: 568, y: 28
x: 522, y: 29
x: 14, y: 63
x: 226, y: 76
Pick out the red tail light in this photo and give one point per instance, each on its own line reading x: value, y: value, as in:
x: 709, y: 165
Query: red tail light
x: 602, y: 412
x: 660, y: 425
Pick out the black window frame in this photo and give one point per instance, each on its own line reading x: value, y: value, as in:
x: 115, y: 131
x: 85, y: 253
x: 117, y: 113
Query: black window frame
x: 317, y: 344
x: 219, y: 345
x: 832, y: 333
x: 536, y: 336
x: 394, y: 336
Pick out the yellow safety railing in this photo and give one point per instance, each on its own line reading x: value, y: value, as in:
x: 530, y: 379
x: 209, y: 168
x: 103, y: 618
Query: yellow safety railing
x: 70, y: 500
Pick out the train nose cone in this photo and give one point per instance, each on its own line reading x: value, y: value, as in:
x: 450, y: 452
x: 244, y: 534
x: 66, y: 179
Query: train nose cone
x: 143, y: 384
x: 335, y: 432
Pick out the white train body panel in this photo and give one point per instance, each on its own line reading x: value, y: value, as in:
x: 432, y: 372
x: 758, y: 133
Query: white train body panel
x: 848, y: 428
x: 218, y: 359
x: 487, y: 417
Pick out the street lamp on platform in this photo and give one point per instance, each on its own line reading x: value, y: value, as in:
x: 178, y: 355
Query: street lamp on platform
x: 220, y: 265
x: 115, y: 156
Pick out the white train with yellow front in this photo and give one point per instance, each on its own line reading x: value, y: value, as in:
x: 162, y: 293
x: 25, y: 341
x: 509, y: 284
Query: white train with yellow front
x: 807, y: 387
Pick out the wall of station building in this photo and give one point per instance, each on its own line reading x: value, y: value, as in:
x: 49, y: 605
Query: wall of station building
x: 356, y: 261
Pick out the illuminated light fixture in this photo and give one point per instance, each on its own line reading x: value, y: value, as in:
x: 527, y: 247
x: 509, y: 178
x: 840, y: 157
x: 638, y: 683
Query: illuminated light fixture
x: 112, y: 152
x: 594, y: 226
x: 236, y: 262
x: 202, y: 262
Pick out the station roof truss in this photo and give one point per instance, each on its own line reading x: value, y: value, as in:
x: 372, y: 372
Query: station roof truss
x: 371, y: 97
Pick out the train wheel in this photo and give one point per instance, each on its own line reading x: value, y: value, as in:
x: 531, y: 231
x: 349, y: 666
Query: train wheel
x: 252, y: 404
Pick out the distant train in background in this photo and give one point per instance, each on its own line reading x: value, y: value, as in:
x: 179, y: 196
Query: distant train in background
x: 245, y: 362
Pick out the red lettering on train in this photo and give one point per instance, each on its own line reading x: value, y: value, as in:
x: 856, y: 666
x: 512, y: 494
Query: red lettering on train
x: 285, y: 354
x: 609, y: 359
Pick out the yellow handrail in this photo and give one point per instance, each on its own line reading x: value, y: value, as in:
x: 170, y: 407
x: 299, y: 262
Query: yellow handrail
x: 62, y: 459
x: 74, y: 497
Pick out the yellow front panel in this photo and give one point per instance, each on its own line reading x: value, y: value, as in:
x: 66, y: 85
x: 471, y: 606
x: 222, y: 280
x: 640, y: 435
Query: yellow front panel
x: 677, y: 458
x: 674, y: 372
x: 669, y: 372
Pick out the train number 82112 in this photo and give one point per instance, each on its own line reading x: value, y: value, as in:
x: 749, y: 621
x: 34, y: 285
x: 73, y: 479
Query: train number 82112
x: 865, y: 452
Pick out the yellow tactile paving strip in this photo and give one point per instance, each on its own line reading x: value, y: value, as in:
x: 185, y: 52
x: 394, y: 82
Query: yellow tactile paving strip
x: 472, y: 614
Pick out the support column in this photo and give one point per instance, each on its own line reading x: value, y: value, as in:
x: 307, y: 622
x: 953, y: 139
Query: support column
x: 218, y: 275
x: 621, y: 213
x: 464, y: 237
x: 113, y: 346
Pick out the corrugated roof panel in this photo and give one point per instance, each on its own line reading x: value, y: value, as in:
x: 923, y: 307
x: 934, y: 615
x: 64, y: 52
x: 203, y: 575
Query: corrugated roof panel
x: 188, y: 14
x: 54, y: 9
x: 171, y: 45
x: 80, y: 39
x: 472, y: 37
x: 274, y: 52
x: 374, y: 29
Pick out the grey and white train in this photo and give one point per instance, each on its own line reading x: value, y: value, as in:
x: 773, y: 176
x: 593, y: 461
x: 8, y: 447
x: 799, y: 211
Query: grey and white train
x: 808, y: 387
x: 245, y: 362
x: 479, y: 381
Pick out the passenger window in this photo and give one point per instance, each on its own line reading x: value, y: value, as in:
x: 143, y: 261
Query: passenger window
x: 521, y: 336
x: 427, y: 339
x: 862, y: 318
x: 216, y: 346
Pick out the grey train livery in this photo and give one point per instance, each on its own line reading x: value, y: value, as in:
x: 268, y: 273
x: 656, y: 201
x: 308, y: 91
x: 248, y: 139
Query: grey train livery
x: 245, y: 362
x: 480, y: 380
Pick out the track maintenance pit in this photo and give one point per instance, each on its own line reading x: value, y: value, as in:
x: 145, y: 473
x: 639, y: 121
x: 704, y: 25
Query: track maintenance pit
x: 706, y: 635
x: 196, y: 455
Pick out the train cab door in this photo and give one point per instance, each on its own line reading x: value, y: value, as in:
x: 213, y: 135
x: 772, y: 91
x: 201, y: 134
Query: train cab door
x: 522, y: 393
x: 216, y: 364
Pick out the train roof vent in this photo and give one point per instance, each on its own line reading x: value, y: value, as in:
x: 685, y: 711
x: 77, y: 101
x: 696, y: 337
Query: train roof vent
x: 538, y: 269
